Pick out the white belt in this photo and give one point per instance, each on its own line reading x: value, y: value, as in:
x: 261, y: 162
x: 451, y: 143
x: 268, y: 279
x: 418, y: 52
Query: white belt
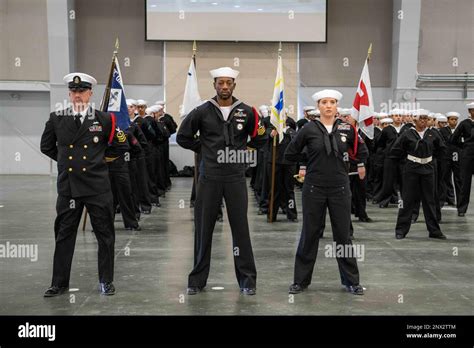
x: 420, y: 160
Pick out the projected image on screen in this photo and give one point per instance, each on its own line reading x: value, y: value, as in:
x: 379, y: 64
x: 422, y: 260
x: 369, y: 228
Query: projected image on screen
x: 233, y: 20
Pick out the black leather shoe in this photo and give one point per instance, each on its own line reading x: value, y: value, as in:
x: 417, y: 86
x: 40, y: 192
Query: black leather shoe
x: 365, y: 219
x: 55, y: 291
x: 437, y: 236
x: 293, y: 220
x: 136, y: 228
x: 461, y: 214
x: 399, y: 236
x: 107, y: 289
x: 146, y: 212
x: 355, y: 289
x: 296, y: 288
x: 248, y: 291
x: 193, y: 290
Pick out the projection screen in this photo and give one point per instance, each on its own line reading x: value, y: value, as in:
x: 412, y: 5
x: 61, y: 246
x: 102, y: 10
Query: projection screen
x: 234, y: 20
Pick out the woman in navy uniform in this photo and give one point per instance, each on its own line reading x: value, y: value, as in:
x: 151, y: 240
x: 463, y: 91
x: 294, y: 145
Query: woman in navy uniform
x: 77, y: 139
x: 224, y: 124
x: 419, y: 146
x: 465, y: 131
x: 326, y: 186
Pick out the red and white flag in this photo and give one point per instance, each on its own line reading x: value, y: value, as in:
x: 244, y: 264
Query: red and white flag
x: 363, y: 105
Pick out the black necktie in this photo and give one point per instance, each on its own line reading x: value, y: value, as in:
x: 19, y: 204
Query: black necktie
x: 77, y: 119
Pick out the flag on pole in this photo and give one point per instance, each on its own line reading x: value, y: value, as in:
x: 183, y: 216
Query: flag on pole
x: 278, y: 115
x: 115, y: 101
x: 191, y: 97
x: 363, y: 105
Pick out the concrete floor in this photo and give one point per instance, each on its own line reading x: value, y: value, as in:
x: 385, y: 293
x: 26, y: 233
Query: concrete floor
x: 415, y: 276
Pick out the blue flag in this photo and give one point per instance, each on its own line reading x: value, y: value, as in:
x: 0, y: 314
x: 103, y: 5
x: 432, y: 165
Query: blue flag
x: 117, y: 102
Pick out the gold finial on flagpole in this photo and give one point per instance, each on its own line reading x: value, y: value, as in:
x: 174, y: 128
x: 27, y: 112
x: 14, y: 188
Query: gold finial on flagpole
x: 117, y: 45
x: 369, y: 52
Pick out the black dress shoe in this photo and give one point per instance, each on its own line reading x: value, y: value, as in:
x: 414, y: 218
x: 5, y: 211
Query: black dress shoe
x: 248, y: 291
x: 146, y: 212
x: 293, y: 220
x: 296, y: 288
x: 55, y: 291
x: 437, y: 236
x: 107, y: 289
x: 193, y: 290
x: 135, y: 228
x: 399, y: 236
x: 261, y: 212
x: 355, y: 289
x: 365, y: 219
x: 461, y: 214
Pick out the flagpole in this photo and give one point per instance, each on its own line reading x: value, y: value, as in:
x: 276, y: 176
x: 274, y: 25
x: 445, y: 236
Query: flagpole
x: 369, y: 53
x: 272, y: 190
x: 195, y: 154
x: 104, y: 103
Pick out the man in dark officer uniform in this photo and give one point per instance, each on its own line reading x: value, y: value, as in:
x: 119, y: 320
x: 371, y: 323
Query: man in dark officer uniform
x: 465, y: 131
x: 224, y: 124
x: 77, y: 139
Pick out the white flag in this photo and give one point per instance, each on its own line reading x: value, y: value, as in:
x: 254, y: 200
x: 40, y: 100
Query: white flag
x: 191, y: 97
x: 278, y: 116
x: 363, y: 105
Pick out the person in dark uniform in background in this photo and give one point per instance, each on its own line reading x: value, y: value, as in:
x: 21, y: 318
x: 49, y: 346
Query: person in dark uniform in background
x: 464, y: 136
x: 301, y: 122
x: 224, y: 124
x: 391, y: 169
x: 451, y: 171
x: 161, y: 138
x: 137, y: 164
x: 146, y: 124
x: 419, y: 146
x: 326, y: 186
x: 118, y: 158
x: 77, y: 139
x: 358, y: 185
x: 284, y: 195
x: 171, y: 125
x: 259, y: 170
x: 378, y: 156
x: 442, y: 163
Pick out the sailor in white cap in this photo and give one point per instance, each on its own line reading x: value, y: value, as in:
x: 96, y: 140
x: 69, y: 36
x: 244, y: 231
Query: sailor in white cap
x: 450, y: 170
x: 306, y: 116
x: 419, y: 146
x: 78, y: 144
x: 392, y: 171
x: 326, y: 186
x: 148, y: 127
x: 159, y: 143
x: 224, y: 124
x: 465, y: 131
x: 137, y: 164
x: 382, y: 121
x: 171, y: 126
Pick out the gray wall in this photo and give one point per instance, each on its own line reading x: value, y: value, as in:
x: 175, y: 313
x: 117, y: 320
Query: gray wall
x: 447, y: 31
x: 98, y: 23
x: 22, y: 121
x: 23, y: 35
x: 352, y: 26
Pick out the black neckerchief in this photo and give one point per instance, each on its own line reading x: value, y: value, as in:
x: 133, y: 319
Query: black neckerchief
x: 328, y: 138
